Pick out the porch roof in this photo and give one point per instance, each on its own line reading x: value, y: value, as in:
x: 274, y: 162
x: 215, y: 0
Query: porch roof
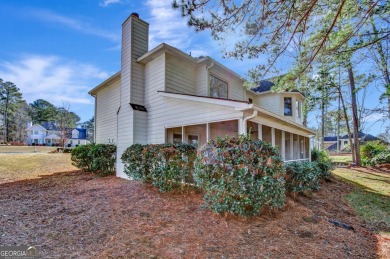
x: 237, y: 105
x: 52, y: 136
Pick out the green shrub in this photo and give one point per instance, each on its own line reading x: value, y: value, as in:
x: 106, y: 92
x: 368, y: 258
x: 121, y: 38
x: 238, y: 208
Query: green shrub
x: 166, y: 166
x: 240, y: 176
x: 302, y: 176
x: 103, y: 159
x: 81, y: 159
x: 99, y: 158
x: 381, y: 158
x: 371, y: 149
x: 323, y: 161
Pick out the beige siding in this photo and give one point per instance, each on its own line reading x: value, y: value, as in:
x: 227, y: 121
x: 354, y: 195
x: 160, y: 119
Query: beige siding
x: 139, y: 46
x: 107, y: 106
x: 271, y: 102
x: 180, y: 76
x: 170, y: 112
x: 134, y: 44
x: 202, y: 81
x: 236, y: 89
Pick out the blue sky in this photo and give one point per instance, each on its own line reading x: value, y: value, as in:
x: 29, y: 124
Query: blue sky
x: 58, y: 50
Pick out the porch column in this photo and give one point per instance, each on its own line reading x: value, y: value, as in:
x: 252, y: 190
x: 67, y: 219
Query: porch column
x: 241, y: 128
x: 283, y: 145
x: 207, y: 132
x: 292, y: 146
x: 260, y: 131
x: 273, y: 136
x: 299, y: 147
x: 182, y: 134
x: 309, y: 148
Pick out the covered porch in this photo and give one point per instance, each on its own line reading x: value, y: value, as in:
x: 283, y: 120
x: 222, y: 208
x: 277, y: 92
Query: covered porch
x: 292, y: 141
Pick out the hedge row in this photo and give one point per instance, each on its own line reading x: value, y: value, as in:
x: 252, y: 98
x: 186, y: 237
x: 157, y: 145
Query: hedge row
x: 96, y: 158
x: 166, y: 166
x: 240, y: 176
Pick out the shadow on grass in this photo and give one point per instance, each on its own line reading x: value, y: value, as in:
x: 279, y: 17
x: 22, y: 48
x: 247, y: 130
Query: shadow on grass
x: 371, y: 205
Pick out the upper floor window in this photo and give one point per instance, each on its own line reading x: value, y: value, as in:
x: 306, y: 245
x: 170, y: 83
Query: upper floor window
x: 36, y: 132
x: 218, y: 88
x: 287, y: 106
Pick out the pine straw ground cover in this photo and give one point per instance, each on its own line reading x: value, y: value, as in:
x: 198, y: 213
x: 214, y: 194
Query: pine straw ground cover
x: 79, y: 215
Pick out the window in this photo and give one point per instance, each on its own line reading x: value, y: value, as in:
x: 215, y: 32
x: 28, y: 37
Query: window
x: 287, y: 106
x: 36, y: 132
x: 177, y: 139
x: 298, y: 107
x: 193, y: 140
x: 218, y: 88
x: 250, y: 100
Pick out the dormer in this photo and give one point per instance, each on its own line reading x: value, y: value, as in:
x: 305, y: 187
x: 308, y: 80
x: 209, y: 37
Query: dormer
x: 287, y: 104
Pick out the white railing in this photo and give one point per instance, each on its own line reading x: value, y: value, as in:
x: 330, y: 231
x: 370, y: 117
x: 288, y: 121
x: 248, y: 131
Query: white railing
x: 297, y: 160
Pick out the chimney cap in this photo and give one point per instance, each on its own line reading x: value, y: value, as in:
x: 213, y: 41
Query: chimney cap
x: 135, y: 15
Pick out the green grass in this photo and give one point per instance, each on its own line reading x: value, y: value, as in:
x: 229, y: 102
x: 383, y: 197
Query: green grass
x: 342, y: 158
x: 371, y: 197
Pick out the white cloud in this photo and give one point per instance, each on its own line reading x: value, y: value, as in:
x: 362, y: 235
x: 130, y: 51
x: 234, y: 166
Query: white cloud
x: 374, y: 117
x: 52, y: 78
x: 82, y: 26
x: 106, y: 3
x: 167, y: 25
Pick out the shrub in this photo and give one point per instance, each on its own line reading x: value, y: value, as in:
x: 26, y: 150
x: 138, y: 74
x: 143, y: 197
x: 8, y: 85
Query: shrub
x: 98, y: 159
x: 81, y: 159
x: 240, y: 176
x: 302, y: 176
x: 371, y: 149
x: 382, y: 158
x: 103, y: 159
x: 323, y: 161
x: 166, y: 166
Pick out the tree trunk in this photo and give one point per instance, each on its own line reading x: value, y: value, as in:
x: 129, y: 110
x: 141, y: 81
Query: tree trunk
x: 355, y: 121
x: 383, y: 66
x: 347, y: 123
x: 322, y: 116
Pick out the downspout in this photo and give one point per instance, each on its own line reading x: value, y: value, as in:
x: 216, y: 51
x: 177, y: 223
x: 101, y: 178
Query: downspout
x: 208, y: 78
x: 244, y: 128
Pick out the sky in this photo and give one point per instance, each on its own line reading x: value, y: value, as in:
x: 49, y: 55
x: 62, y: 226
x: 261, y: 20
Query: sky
x: 59, y: 50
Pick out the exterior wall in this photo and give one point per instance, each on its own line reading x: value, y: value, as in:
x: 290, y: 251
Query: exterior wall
x: 154, y: 81
x: 202, y: 81
x: 180, y: 75
x: 134, y: 45
x: 235, y: 85
x: 42, y: 133
x: 107, y: 101
x: 271, y: 102
x: 170, y: 112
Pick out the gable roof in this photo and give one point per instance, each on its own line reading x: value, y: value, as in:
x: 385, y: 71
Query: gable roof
x: 361, y: 135
x: 50, y: 126
x: 264, y: 86
x: 82, y: 133
x: 36, y: 125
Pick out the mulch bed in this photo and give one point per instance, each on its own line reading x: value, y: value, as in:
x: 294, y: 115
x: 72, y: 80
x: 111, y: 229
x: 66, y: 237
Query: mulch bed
x: 78, y: 215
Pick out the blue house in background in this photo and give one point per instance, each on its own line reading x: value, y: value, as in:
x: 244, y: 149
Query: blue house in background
x: 79, y: 137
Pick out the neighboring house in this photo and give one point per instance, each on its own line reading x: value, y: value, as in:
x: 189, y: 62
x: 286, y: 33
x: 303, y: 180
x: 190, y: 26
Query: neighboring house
x: 330, y: 143
x: 166, y: 96
x: 50, y: 135
x: 46, y: 134
x: 79, y: 137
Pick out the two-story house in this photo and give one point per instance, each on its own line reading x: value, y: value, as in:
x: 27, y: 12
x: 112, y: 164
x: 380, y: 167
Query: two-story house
x: 164, y: 95
x: 46, y: 134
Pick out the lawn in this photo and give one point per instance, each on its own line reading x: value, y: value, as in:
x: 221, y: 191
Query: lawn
x: 76, y: 214
x: 22, y: 166
x: 370, y: 198
x: 26, y: 149
x: 343, y: 159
